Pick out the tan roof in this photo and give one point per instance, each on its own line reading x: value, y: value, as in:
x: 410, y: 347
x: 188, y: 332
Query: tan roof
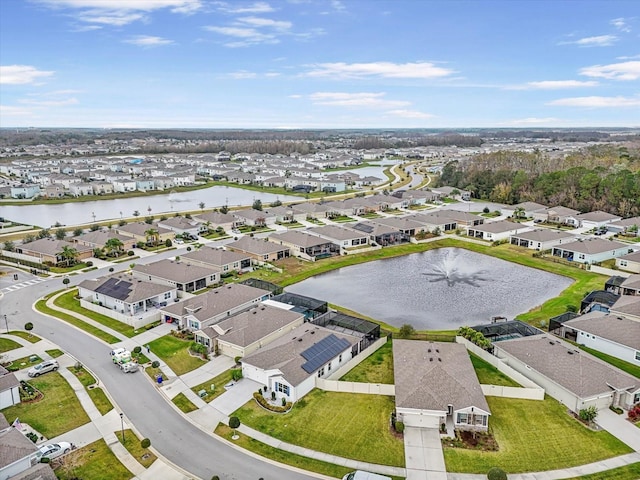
x: 179, y: 272
x: 433, y: 375
x: 139, y: 228
x: 139, y: 289
x: 181, y: 223
x: 627, y: 222
x: 52, y: 247
x: 215, y: 257
x: 632, y: 281
x: 632, y: 257
x: 577, y: 371
x: 285, y: 353
x: 561, y: 211
x: 7, y: 381
x: 100, y: 237
x: 301, y: 239
x: 216, y: 218
x: 592, y: 246
x: 615, y: 328
x: 256, y: 246
x: 529, y: 206
x: 598, y: 216
x: 252, y: 214
x: 402, y: 223
x: 335, y: 232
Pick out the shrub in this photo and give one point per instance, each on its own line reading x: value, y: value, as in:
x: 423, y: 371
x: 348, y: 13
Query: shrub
x: 138, y: 349
x: 406, y: 330
x: 496, y: 473
x: 130, y: 253
x: 29, y: 326
x: 167, y: 242
x: 486, y: 210
x: 284, y: 401
x: 215, y: 477
x: 155, y: 364
x: 400, y: 427
x: 274, y: 408
x: 588, y: 414
x: 45, y: 460
x: 273, y: 396
x: 234, y: 422
x: 145, y: 443
x: 634, y: 413
x: 237, y: 360
x: 236, y: 374
x: 89, y: 263
x: 111, y: 269
x: 571, y: 308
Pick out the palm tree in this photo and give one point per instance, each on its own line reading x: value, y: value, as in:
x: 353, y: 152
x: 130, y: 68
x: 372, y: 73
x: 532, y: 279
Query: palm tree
x: 152, y: 234
x: 519, y: 212
x: 113, y: 245
x: 68, y: 255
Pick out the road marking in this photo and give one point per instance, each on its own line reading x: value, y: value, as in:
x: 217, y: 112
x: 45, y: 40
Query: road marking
x: 26, y: 283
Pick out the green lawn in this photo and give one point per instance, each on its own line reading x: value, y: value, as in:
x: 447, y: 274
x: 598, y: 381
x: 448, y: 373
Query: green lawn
x: 183, y: 403
x: 534, y: 436
x: 377, y: 368
x: 154, y: 372
x: 346, y: 424
x: 29, y: 337
x: 57, y: 412
x: 628, y: 472
x: 490, y: 375
x: 41, y: 306
x: 24, y: 362
x: 97, y: 395
x: 6, y: 344
x: 69, y: 302
x: 132, y: 443
x: 220, y: 381
x: 95, y: 460
x: 630, y: 368
x: 55, y: 353
x: 175, y: 352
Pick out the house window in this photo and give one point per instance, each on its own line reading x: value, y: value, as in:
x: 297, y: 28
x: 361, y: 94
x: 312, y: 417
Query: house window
x: 462, y: 418
x: 194, y: 324
x: 623, y: 263
x: 329, y: 367
x: 321, y: 372
x: 282, y: 388
x: 265, y: 257
x: 167, y: 295
x: 340, y: 359
x: 581, y: 256
x: 481, y: 420
x: 636, y: 398
x: 637, y: 355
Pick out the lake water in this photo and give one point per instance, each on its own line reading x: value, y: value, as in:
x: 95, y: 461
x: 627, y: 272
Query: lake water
x: 439, y: 289
x: 76, y: 213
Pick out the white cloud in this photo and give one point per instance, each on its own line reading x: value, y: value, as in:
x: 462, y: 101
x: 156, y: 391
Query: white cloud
x: 21, y: 74
x: 555, y: 85
x: 256, y: 7
x: 409, y: 114
x: 614, y: 71
x: 597, y: 41
x: 422, y: 70
x: 295, y: 96
x: 50, y: 103
x: 597, y: 102
x: 246, y: 36
x: 121, y: 12
x: 533, y: 121
x: 242, y: 75
x: 621, y: 24
x: 271, y: 74
x: 148, y: 41
x: 338, y: 6
x: 10, y: 110
x: 266, y: 22
x: 628, y: 57
x: 364, y: 99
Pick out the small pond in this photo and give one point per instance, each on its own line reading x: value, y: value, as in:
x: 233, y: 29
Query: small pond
x: 439, y: 289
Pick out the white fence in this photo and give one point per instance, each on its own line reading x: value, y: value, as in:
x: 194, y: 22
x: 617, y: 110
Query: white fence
x: 135, y: 322
x: 21, y: 256
x: 346, y: 368
x: 513, y: 392
x: 355, y: 387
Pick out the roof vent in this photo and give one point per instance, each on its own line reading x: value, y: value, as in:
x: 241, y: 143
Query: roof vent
x: 439, y: 359
x: 300, y: 339
x: 431, y: 359
x: 254, y: 312
x: 262, y: 308
x: 437, y: 351
x: 313, y: 332
x: 551, y: 342
x: 570, y: 352
x: 429, y: 350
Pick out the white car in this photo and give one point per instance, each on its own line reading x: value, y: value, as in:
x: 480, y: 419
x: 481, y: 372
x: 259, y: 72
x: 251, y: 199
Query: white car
x: 179, y: 241
x: 54, y: 450
x: 44, y: 367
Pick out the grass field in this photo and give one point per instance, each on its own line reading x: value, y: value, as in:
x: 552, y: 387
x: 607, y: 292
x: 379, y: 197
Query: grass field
x: 55, y: 353
x: 490, y: 375
x: 29, y: 337
x: 57, y: 412
x: 25, y: 362
x: 220, y: 381
x: 175, y: 352
x: 534, y: 436
x: 628, y: 472
x: 349, y: 425
x: 377, y: 368
x: 95, y: 460
x: 97, y: 395
x: 69, y: 302
x: 6, y: 345
x: 183, y: 403
x: 132, y: 443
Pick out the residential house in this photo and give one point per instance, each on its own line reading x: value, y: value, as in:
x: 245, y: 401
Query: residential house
x: 596, y: 219
x: 381, y: 234
x: 438, y: 220
x: 140, y: 231
x: 102, y: 188
x: 9, y: 389
x: 99, y: 239
x: 163, y: 183
x: 290, y: 365
x: 575, y: 378
x: 630, y: 285
x: 253, y: 218
x: 408, y: 226
x: 182, y: 225
x: 124, y: 185
x: 343, y: 237
x: 310, y: 210
x: 224, y: 260
x: 304, y: 245
x: 182, y: 275
x: 452, y: 192
x: 55, y: 190
x: 525, y: 210
x: 629, y: 262
x: 627, y: 226
x: 591, y: 250
x: 496, y: 231
x: 260, y: 250
x: 211, y: 307
x: 81, y: 188
x: 541, y: 239
x: 19, y: 456
x: 48, y: 250
x: 25, y: 191
x: 248, y: 331
x: 436, y: 384
x: 283, y: 214
x: 129, y: 300
x: 213, y: 220
x: 145, y: 184
x: 561, y: 215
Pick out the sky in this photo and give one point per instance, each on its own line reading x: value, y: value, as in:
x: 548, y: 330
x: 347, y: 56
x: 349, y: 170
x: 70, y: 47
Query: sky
x: 319, y: 63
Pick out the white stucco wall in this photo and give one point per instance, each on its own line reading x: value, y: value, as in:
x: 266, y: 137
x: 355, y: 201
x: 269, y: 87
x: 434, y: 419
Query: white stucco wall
x: 614, y: 349
x: 9, y: 397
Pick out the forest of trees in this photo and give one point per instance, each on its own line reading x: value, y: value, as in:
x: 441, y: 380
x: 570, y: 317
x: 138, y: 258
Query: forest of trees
x: 599, y: 178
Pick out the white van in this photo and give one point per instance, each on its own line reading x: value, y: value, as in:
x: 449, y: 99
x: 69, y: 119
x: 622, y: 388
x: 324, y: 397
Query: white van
x: 360, y: 475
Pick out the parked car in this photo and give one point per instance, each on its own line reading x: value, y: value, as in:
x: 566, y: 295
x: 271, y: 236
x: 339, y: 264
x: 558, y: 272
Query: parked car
x: 54, y: 450
x: 44, y: 367
x: 178, y: 241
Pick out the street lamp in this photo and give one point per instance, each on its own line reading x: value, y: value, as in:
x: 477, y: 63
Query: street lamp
x: 122, y: 425
x: 6, y: 322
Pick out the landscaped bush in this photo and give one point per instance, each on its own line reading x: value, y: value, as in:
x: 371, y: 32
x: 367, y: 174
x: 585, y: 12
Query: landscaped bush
x: 400, y: 427
x: 198, y: 348
x: 145, y: 443
x: 496, y: 474
x: 89, y: 263
x: 475, y: 337
x: 618, y: 410
x: 634, y: 413
x: 234, y: 422
x: 130, y: 253
x: 137, y: 349
x: 236, y: 374
x: 155, y: 364
x: 588, y: 414
x: 167, y: 243
x: 274, y: 408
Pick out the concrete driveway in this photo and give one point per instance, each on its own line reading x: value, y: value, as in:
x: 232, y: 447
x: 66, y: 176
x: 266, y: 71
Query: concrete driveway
x: 618, y: 426
x: 235, y: 396
x: 423, y: 454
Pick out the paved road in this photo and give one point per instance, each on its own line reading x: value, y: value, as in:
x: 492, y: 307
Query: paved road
x: 174, y: 437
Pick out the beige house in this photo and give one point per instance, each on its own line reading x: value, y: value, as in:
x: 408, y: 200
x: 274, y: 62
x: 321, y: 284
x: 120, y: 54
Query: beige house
x: 47, y: 250
x: 182, y: 275
x: 224, y: 260
x: 260, y: 250
x: 138, y: 231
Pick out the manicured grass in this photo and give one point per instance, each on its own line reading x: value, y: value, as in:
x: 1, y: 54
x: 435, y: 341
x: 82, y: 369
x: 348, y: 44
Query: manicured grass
x: 24, y: 362
x: 97, y: 395
x: 175, y: 352
x: 41, y: 306
x: 69, y: 302
x: 534, y: 436
x: 346, y: 424
x: 29, y: 337
x: 183, y: 403
x: 57, y: 412
x: 6, y: 344
x: 628, y: 472
x: 630, y: 368
x: 220, y: 381
x: 154, y: 372
x: 55, y: 353
x: 95, y: 460
x: 132, y: 444
x: 77, y: 266
x: 490, y: 375
x: 377, y: 368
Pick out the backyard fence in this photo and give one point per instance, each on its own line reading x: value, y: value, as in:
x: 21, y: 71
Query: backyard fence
x: 355, y: 387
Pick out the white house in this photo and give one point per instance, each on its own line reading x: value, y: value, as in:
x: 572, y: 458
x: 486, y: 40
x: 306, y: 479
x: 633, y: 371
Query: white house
x: 124, y: 185
x: 181, y: 275
x: 9, y: 388
x: 181, y: 225
x: 591, y: 250
x: 343, y: 237
x: 496, y: 231
x: 290, y: 365
x: 18, y: 453
x: 541, y: 239
x: 596, y: 219
x: 629, y: 262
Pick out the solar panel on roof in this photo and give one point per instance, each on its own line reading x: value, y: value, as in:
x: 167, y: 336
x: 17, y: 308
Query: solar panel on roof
x: 323, y: 351
x: 115, y: 288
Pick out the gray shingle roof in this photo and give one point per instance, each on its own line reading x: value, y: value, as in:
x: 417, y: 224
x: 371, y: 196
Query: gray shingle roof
x: 627, y: 305
x: 216, y: 218
x: 215, y: 257
x: 500, y: 226
x: 300, y: 239
x: 139, y: 289
x: 616, y: 328
x: 544, y: 235
x: 598, y: 216
x: 14, y: 446
x: 179, y: 272
x: 592, y: 246
x: 51, y: 246
x: 256, y: 246
x: 7, y: 381
x: 334, y: 232
x: 582, y: 374
x: 432, y: 375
